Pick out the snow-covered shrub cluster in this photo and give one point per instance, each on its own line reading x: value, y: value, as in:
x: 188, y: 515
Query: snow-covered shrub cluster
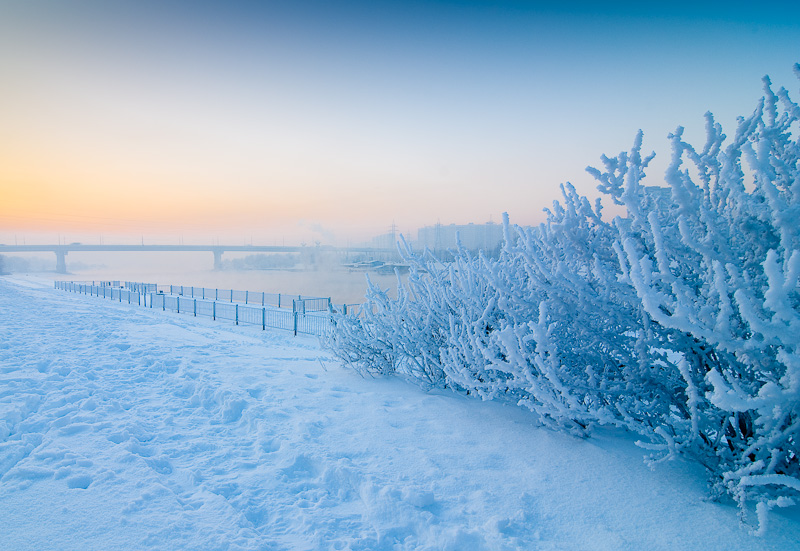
x: 679, y: 320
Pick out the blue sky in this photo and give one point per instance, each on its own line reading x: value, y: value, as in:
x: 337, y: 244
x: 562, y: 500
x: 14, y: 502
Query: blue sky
x: 277, y: 121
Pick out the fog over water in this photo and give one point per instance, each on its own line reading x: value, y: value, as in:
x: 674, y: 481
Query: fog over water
x: 330, y: 279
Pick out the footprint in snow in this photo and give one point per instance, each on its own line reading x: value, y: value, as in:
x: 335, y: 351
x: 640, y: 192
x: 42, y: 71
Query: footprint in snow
x: 42, y: 366
x: 302, y: 467
x: 232, y: 411
x: 136, y: 448
x: 81, y: 481
x: 270, y: 445
x: 159, y: 465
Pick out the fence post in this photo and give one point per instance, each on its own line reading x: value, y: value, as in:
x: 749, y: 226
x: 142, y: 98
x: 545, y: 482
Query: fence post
x: 214, y: 311
x: 246, y: 296
x: 279, y: 300
x: 178, y: 303
x: 263, y: 295
x: 263, y: 318
x: 216, y: 294
x: 232, y: 299
x: 294, y: 315
x: 195, y: 307
x: 237, y: 314
x: 204, y: 292
x: 163, y: 302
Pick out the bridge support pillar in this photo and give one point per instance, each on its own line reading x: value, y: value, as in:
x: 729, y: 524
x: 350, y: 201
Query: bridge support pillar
x: 61, y: 262
x: 217, y: 260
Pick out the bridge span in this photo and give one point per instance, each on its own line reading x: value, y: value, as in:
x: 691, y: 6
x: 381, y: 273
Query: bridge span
x: 61, y: 251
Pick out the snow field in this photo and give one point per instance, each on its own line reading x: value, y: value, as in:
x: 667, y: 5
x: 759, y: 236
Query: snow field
x: 126, y: 428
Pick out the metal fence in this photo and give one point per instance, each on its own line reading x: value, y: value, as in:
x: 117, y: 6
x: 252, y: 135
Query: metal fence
x: 298, y: 316
x: 276, y: 300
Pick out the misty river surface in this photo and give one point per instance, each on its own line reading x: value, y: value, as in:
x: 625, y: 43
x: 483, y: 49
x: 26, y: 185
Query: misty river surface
x: 196, y: 269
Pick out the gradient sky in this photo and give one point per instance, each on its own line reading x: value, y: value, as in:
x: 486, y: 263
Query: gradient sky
x: 289, y: 121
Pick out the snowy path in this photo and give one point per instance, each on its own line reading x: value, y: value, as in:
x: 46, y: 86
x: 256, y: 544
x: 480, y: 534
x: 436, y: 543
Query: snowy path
x: 125, y: 428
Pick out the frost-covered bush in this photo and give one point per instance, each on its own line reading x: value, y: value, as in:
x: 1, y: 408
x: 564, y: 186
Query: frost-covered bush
x: 393, y: 336
x: 679, y: 320
x: 533, y: 326
x: 719, y: 263
x: 559, y: 330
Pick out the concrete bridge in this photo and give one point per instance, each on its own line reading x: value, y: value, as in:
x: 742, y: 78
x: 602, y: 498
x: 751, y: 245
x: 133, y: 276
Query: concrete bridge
x: 61, y: 251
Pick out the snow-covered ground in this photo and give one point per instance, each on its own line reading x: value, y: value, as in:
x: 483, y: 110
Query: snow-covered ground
x: 128, y: 428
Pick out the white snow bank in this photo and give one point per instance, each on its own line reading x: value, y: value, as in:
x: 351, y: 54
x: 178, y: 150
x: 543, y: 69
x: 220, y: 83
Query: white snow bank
x: 126, y: 428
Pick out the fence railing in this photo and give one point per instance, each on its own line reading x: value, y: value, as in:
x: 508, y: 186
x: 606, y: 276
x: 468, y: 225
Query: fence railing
x: 300, y: 315
x: 276, y: 300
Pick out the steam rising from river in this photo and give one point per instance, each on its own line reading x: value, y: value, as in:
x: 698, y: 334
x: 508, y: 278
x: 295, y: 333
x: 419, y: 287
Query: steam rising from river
x: 328, y: 279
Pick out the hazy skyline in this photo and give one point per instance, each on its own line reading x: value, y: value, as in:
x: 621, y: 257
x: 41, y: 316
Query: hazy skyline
x: 306, y: 121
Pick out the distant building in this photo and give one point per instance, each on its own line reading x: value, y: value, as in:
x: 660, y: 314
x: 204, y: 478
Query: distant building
x: 474, y: 237
x: 385, y: 241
